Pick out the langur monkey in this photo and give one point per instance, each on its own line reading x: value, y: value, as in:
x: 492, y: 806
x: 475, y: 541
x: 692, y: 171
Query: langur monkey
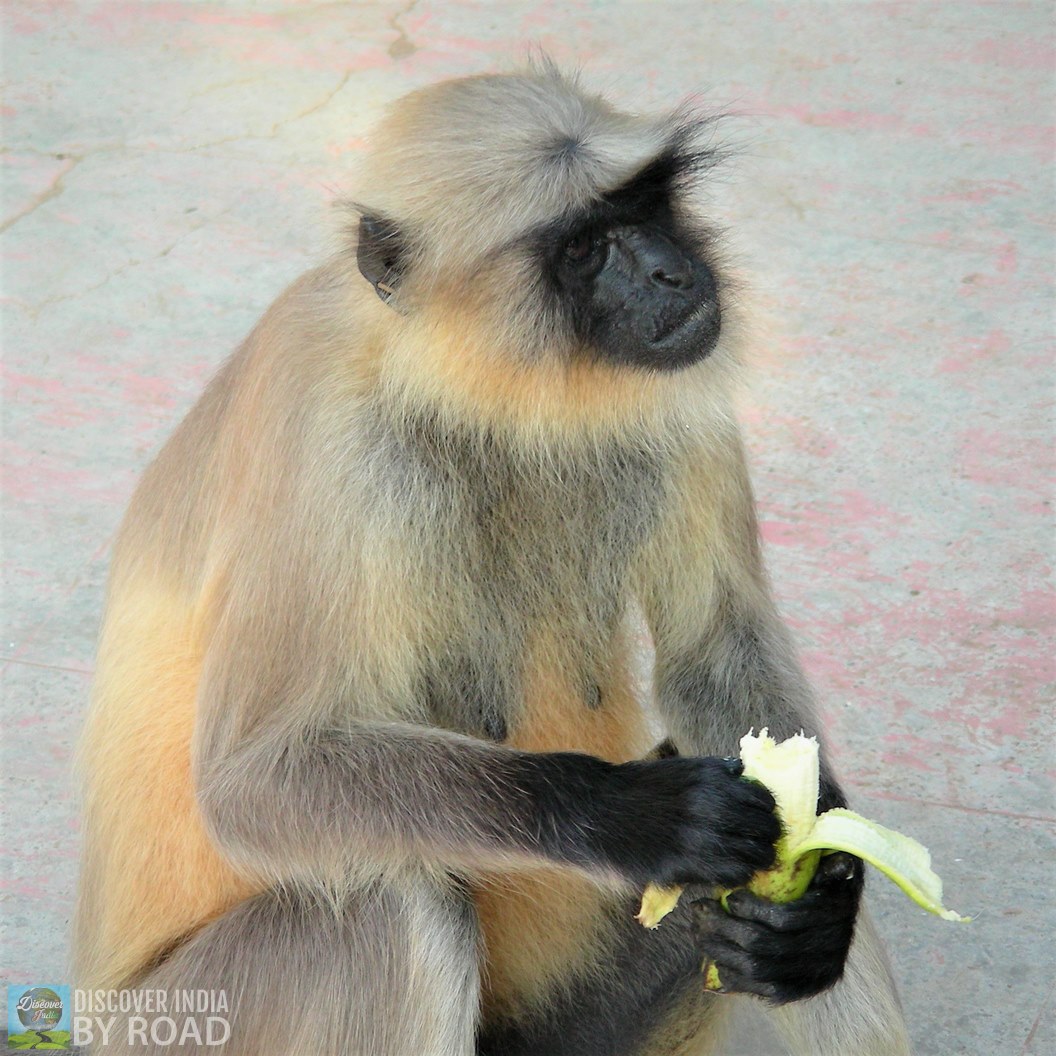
x: 364, y: 750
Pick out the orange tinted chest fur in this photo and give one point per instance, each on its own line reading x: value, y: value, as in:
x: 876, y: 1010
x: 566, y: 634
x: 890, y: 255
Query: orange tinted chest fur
x: 538, y: 924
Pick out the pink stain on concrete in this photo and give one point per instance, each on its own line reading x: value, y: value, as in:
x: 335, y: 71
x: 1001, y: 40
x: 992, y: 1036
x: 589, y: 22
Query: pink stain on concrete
x: 278, y: 40
x: 18, y: 20
x: 844, y: 525
x: 147, y: 391
x: 279, y: 52
x: 976, y: 192
x: 1017, y: 53
x: 847, y: 119
x: 1036, y: 140
x: 54, y: 401
x: 809, y: 439
x: 212, y: 16
x: 902, y: 759
x: 36, y: 476
x: 977, y: 353
x: 78, y: 398
x: 35, y: 888
x: 116, y: 15
x: 994, y: 458
x: 996, y: 664
x: 793, y: 533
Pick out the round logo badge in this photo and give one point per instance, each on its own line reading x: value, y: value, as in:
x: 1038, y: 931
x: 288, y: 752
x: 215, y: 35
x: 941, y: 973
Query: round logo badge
x: 39, y: 1008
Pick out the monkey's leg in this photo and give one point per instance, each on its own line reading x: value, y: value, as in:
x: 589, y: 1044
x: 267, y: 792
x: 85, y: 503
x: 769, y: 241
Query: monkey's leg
x: 860, y: 1014
x: 391, y: 972
x: 856, y: 1016
x: 645, y: 997
x: 642, y: 996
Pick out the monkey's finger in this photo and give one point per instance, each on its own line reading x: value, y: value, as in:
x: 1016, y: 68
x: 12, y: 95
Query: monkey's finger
x: 800, y: 915
x: 726, y: 953
x: 713, y: 926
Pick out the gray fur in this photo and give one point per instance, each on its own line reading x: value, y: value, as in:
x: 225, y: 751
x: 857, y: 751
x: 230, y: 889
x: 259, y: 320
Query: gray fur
x: 376, y: 977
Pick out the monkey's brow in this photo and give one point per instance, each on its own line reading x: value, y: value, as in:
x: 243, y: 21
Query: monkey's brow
x: 604, y: 213
x: 654, y: 186
x: 658, y: 179
x: 639, y: 199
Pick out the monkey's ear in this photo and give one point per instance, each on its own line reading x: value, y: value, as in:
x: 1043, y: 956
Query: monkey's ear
x: 381, y: 254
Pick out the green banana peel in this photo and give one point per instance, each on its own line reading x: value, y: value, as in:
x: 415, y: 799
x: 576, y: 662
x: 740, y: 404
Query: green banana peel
x: 791, y: 770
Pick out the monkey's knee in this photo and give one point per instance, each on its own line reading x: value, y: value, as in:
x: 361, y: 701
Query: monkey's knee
x: 861, y: 1013
x: 391, y: 972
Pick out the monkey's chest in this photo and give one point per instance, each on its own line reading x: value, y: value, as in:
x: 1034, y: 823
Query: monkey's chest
x: 540, y: 686
x: 536, y: 651
x: 530, y: 560
x: 539, y: 653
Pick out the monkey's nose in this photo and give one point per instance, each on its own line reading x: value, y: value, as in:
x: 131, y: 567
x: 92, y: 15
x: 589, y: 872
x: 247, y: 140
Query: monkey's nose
x: 667, y: 265
x: 679, y: 279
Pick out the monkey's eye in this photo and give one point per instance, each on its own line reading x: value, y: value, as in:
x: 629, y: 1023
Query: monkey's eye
x: 585, y: 252
x: 579, y: 248
x: 584, y: 248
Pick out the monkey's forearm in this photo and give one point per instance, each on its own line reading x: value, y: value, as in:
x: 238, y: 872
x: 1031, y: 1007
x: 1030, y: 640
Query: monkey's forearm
x: 379, y: 796
x: 319, y: 808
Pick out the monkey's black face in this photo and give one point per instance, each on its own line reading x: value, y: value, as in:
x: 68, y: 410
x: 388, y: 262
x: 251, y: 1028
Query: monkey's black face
x: 628, y: 277
x: 639, y: 294
x: 631, y: 277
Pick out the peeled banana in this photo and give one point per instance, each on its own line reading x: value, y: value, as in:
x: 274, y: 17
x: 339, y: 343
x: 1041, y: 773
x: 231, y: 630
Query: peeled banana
x: 791, y: 770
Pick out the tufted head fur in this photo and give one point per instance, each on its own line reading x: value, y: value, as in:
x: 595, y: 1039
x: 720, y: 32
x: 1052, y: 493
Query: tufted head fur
x: 473, y: 182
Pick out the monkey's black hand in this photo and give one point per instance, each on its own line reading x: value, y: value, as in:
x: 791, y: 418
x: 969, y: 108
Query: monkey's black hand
x: 685, y: 820
x: 784, y: 951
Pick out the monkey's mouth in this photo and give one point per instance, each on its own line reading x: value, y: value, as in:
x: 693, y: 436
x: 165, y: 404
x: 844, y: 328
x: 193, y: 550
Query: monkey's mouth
x: 685, y: 319
x: 696, y: 330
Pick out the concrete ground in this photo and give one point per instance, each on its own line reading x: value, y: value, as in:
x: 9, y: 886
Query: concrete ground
x: 168, y: 168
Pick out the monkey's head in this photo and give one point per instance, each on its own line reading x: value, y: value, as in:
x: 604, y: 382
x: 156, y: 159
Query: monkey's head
x: 543, y: 234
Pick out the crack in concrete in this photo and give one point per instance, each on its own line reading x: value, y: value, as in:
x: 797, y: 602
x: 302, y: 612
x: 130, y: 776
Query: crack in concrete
x: 402, y: 46
x: 324, y: 102
x: 53, y: 190
x: 34, y: 310
x: 57, y: 186
x: 219, y: 86
x: 898, y: 797
x: 46, y: 667
x: 1028, y: 1042
x: 275, y: 128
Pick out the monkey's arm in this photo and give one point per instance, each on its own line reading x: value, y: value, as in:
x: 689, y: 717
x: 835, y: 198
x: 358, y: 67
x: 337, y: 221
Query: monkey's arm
x: 725, y: 664
x: 724, y: 660
x: 322, y: 805
x: 317, y: 802
x: 310, y: 764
